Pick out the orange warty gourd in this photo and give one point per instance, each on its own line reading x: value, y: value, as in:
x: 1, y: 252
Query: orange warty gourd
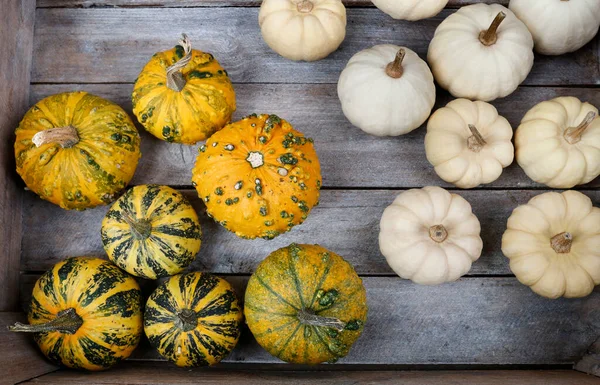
x: 76, y: 150
x: 258, y: 177
x: 183, y: 95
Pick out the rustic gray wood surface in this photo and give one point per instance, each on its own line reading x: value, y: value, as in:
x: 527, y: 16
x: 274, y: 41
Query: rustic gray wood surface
x: 161, y: 373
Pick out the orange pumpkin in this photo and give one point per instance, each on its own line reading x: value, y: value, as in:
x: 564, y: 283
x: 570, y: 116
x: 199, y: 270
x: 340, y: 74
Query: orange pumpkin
x: 258, y: 177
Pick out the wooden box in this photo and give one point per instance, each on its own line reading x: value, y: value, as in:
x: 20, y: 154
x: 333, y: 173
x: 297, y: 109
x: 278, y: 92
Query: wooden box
x: 486, y: 328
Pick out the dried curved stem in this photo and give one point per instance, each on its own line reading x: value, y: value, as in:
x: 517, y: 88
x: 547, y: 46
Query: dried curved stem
x: 66, y: 136
x: 561, y: 243
x: 175, y: 79
x: 475, y: 142
x: 394, y: 69
x: 573, y: 134
x: 490, y: 36
x: 307, y: 317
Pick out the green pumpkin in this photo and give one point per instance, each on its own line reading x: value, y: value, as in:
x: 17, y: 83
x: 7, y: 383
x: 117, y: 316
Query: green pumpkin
x: 193, y: 319
x: 305, y: 305
x: 151, y: 232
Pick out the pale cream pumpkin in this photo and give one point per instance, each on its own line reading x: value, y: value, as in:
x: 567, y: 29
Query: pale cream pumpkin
x: 430, y: 236
x: 553, y: 243
x: 481, y: 52
x: 559, y: 26
x: 468, y: 143
x: 558, y: 143
x: 306, y: 30
x: 411, y: 9
x: 386, y: 90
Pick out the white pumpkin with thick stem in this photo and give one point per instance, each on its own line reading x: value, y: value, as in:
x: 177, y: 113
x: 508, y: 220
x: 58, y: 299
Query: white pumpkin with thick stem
x: 553, y: 243
x: 468, y: 143
x: 481, y: 52
x: 386, y: 90
x: 559, y: 26
x: 558, y: 143
x: 430, y: 236
x: 411, y: 9
x: 306, y: 30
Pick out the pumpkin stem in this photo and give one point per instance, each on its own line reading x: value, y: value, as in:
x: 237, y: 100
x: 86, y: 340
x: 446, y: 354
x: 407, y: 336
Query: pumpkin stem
x: 394, y: 69
x: 438, y: 233
x: 140, y: 228
x: 475, y: 142
x: 561, y: 243
x: 256, y: 159
x: 65, y: 136
x: 187, y: 320
x: 305, y: 6
x: 66, y: 321
x: 573, y: 134
x: 308, y: 317
x: 175, y: 79
x: 490, y: 36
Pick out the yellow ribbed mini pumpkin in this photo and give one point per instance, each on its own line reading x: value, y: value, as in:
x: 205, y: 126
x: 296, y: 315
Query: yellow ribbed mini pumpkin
x: 258, y: 177
x: 183, y: 95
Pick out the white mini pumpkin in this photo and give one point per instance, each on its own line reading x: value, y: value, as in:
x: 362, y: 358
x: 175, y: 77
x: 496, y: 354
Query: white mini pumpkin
x: 481, y: 52
x: 386, y: 90
x: 558, y: 143
x: 303, y: 29
x: 430, y: 236
x: 411, y: 9
x: 559, y: 26
x: 553, y: 243
x: 468, y: 143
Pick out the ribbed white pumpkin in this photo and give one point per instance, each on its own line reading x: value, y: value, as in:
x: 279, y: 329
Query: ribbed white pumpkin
x: 468, y: 143
x: 553, y: 243
x: 559, y: 26
x: 430, y: 236
x: 481, y: 52
x: 411, y: 9
x: 558, y: 143
x: 303, y: 29
x: 386, y: 90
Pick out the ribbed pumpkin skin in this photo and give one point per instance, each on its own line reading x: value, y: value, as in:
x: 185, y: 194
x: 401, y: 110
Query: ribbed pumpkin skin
x: 94, y: 170
x: 262, y: 201
x: 218, y: 313
x: 202, y: 107
x: 173, y: 235
x: 305, y: 277
x: 108, y: 300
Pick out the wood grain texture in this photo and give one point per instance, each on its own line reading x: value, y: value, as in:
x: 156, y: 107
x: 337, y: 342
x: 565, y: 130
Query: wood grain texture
x: 16, y: 30
x: 212, y: 3
x: 480, y: 321
x: 162, y: 373
x: 74, y: 45
x: 346, y: 222
x: 349, y: 157
x: 20, y: 359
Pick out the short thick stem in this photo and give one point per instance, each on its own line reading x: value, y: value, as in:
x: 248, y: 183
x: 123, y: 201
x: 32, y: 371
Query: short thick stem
x: 66, y: 321
x: 561, y: 243
x: 187, y: 320
x: 255, y: 158
x: 305, y: 6
x: 66, y: 136
x: 475, y: 142
x: 140, y: 228
x: 573, y: 134
x: 308, y: 317
x: 175, y: 79
x: 490, y: 36
x: 438, y: 233
x: 394, y: 69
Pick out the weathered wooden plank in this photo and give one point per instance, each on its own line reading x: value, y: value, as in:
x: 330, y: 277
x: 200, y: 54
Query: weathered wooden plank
x: 16, y: 30
x: 482, y: 321
x: 346, y: 222
x: 20, y: 359
x: 349, y: 157
x: 590, y: 363
x: 212, y: 3
x: 112, y: 45
x: 163, y: 373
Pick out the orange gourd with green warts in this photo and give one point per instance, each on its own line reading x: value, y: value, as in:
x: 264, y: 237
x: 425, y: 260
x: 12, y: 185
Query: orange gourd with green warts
x: 258, y: 177
x: 85, y: 313
x: 305, y: 305
x: 183, y: 95
x: 76, y: 150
